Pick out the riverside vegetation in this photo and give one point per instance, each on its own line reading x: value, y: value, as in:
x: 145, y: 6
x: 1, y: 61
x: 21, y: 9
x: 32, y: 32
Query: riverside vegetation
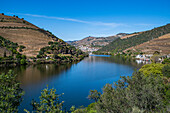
x: 54, y: 53
x: 147, y: 90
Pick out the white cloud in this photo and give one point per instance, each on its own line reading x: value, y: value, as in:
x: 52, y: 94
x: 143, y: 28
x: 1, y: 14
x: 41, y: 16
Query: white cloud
x: 74, y: 20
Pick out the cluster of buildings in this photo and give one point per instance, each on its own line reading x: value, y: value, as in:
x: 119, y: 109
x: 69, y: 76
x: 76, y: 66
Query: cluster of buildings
x: 88, y: 48
x: 147, y: 58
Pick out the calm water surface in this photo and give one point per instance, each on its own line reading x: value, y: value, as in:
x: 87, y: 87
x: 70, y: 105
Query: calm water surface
x: 74, y: 80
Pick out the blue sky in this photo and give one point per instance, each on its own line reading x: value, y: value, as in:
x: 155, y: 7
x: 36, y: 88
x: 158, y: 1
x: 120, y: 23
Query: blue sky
x: 76, y: 19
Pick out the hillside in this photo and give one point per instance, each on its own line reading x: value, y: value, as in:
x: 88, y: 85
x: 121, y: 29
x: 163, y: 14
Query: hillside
x: 160, y: 44
x: 91, y: 44
x: 97, y: 41
x: 31, y: 40
x: 134, y: 40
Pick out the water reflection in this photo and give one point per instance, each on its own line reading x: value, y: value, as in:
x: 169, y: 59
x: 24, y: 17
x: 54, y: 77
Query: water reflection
x: 74, y: 80
x: 115, y: 59
x: 33, y: 74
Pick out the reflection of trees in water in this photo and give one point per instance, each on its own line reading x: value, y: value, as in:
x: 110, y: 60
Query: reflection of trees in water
x: 36, y: 73
x: 114, y: 59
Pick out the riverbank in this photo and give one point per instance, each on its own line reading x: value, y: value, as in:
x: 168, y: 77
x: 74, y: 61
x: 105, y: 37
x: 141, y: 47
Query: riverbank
x: 22, y: 60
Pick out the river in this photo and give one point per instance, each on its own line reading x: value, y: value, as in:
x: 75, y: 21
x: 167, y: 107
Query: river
x: 74, y: 80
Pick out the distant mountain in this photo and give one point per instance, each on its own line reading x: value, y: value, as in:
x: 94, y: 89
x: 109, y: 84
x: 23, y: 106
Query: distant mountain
x: 17, y: 34
x: 97, y: 41
x: 135, y: 39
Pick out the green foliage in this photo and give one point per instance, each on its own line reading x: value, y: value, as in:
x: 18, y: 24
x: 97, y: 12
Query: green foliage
x: 142, y: 92
x: 23, y: 61
x: 89, y: 109
x: 166, y: 70
x: 22, y: 47
x: 10, y: 93
x: 41, y: 52
x: 154, y: 69
x: 122, y: 44
x: 166, y: 61
x: 9, y: 45
x: 20, y: 50
x: 18, y: 56
x: 50, y: 43
x: 23, y: 56
x: 39, y: 56
x: 94, y: 95
x: 49, y: 102
x: 38, y: 61
x: 60, y: 47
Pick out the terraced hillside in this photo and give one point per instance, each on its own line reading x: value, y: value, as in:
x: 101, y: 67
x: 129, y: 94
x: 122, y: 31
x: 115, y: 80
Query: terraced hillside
x: 125, y: 43
x: 160, y: 44
x: 31, y: 37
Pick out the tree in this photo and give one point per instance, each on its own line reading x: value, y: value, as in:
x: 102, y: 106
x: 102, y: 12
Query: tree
x: 10, y: 93
x: 166, y: 70
x: 49, y: 102
x: 146, y: 93
x: 50, y: 43
x: 154, y: 69
x: 23, y: 61
x: 94, y: 95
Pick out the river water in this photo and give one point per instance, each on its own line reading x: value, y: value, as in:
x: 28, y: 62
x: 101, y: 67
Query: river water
x: 74, y: 80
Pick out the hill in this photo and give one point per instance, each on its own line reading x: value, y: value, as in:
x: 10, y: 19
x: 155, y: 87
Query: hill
x: 31, y: 40
x: 160, y: 44
x: 119, y: 44
x: 95, y: 42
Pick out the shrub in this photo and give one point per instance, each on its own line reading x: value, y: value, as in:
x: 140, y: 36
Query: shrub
x: 154, y: 69
x: 50, y: 43
x: 49, y: 102
x: 10, y: 93
x: 23, y: 62
x: 144, y: 92
x: 166, y: 70
x: 39, y: 56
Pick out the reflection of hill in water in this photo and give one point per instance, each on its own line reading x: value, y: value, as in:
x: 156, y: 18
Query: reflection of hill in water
x: 114, y: 59
x: 34, y: 74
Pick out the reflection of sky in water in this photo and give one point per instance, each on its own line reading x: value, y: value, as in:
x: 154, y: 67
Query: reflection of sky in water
x: 74, y: 80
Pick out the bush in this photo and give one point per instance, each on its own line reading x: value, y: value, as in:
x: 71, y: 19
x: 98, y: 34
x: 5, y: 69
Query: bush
x: 23, y: 62
x: 10, y: 93
x: 166, y: 61
x: 154, y: 69
x: 143, y: 92
x: 41, y: 52
x: 166, y: 70
x: 50, y: 43
x: 39, y: 56
x: 23, y: 57
x: 20, y: 50
x: 49, y: 102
